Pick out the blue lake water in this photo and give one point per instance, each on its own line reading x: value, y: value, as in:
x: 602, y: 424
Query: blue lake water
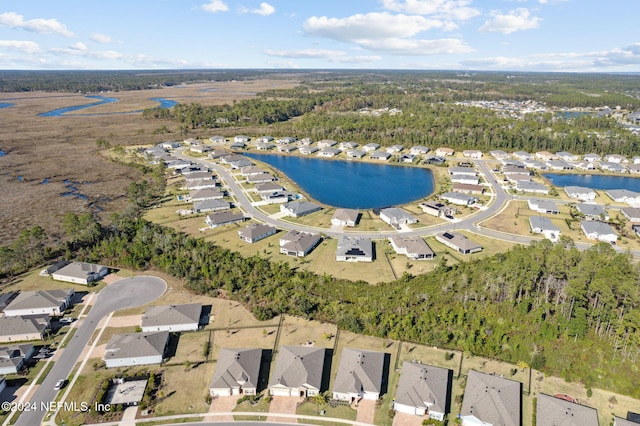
x: 164, y: 103
x: 2, y: 153
x: 5, y: 105
x: 353, y: 184
x: 602, y: 182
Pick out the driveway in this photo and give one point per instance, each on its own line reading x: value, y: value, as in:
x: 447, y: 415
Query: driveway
x: 222, y: 404
x: 366, y: 410
x: 403, y: 419
x: 283, y: 404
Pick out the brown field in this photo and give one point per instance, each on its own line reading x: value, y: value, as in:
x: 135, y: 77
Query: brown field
x: 60, y: 148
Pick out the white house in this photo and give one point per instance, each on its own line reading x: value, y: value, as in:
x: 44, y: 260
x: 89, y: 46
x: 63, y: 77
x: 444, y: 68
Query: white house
x: 80, y: 273
x: 354, y: 249
x: 413, y: 247
x: 130, y: 349
x: 543, y: 206
x: 598, y: 231
x: 580, y: 193
x: 172, y: 318
x: 345, y: 217
x: 423, y: 390
x: 591, y: 157
x: 237, y: 372
x: 543, y: 225
x: 472, y: 153
x: 40, y: 302
x: 556, y: 411
x: 459, y: 198
x: 395, y: 217
x: 631, y: 213
x: 444, y: 152
x: 616, y: 158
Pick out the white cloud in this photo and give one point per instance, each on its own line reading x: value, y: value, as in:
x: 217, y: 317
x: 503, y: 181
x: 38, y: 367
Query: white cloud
x: 101, y: 38
x: 80, y: 49
x: 283, y: 64
x: 29, y: 47
x: 551, y: 1
x: 458, y: 10
x: 399, y: 46
x: 357, y: 59
x: 38, y: 25
x: 329, y: 55
x: 79, y: 46
x: 515, y: 20
x: 215, y: 6
x: 370, y: 26
x: 265, y: 9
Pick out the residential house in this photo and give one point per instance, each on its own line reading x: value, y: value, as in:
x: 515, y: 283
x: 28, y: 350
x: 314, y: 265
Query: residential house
x: 533, y: 187
x: 463, y: 171
x: 559, y: 165
x: 279, y: 197
x: 240, y: 163
x: 635, y: 160
x: 287, y: 140
x: 598, y: 231
x: 545, y: 155
x: 619, y: 421
x: 344, y: 146
x: 304, y: 142
x: 80, y: 273
x: 268, y: 187
x: 262, y: 139
x: 592, y: 211
x: 543, y: 206
x: 200, y: 184
x: 459, y: 198
x: 256, y: 232
x: 567, y: 156
x: 218, y: 139
x: 633, y: 168
x: 287, y: 149
x: 210, y: 206
x: 176, y: 164
x: 379, y: 155
x: 424, y: 390
x: 555, y: 411
x: 237, y: 372
x: 241, y: 139
x: 23, y: 328
x: 231, y: 158
x: 191, y: 142
x: 345, y: 217
x: 328, y: 152
x: 536, y: 165
x: 472, y: 153
x: 326, y: 143
x: 217, y: 153
x: 623, y: 195
x: 172, y: 318
x: 491, y: 400
x: 206, y: 194
x: 631, y: 213
x: 298, y: 371
x: 360, y: 375
x: 201, y: 149
x: 407, y: 158
x: 419, y: 150
x: 499, y: 154
x: 438, y: 209
x: 413, y: 247
x: 612, y: 167
x: 169, y: 145
x: 543, y: 225
x: 41, y: 302
x: 262, y: 146
x: 616, y: 158
x: 523, y: 155
x: 591, y: 158
x: 355, y: 153
x: 444, y: 152
x: 308, y: 150
x: 394, y: 149
x: 370, y: 147
x: 465, y: 179
x: 298, y: 244
x: 354, y: 249
x: 224, y: 218
x: 396, y: 217
x: 458, y: 242
x: 466, y: 188
x: 13, y: 357
x: 124, y: 350
x: 299, y: 208
x: 238, y: 145
x: 260, y: 178
x: 580, y: 193
x: 585, y: 165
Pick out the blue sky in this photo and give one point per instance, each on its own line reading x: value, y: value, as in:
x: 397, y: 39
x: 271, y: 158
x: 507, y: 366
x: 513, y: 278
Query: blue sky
x: 516, y: 35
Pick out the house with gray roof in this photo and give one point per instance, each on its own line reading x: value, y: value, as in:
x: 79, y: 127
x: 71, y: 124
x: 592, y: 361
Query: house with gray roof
x: 619, y: 421
x: 459, y: 242
x: 298, y: 371
x: 555, y: 411
x: 299, y: 208
x: 491, y: 400
x: 80, y: 273
x: 467, y: 179
x: 206, y: 194
x: 326, y: 143
x: 580, y: 193
x: 237, y: 372
x: 499, y: 154
x: 370, y: 147
x: 200, y: 184
x: 18, y: 329
x: 419, y: 150
x: 224, y: 218
x: 623, y: 195
x: 261, y: 146
x: 360, y: 375
x: 559, y: 165
x: 459, y: 198
x: 172, y: 317
x: 468, y: 188
x: 210, y: 206
x: 598, y: 231
x: 438, y: 209
x: 347, y: 145
x: 240, y: 163
x: 608, y: 166
x: 13, y: 357
x: 345, y: 217
x: 298, y: 244
x: 260, y: 178
x: 413, y: 247
x: 379, y: 155
x: 355, y: 153
x: 592, y: 211
x: 308, y: 150
x: 354, y: 249
x: 217, y: 139
x: 287, y: 149
x: 328, y: 152
x: 591, y: 157
x: 278, y: 197
x: 631, y: 213
x: 423, y: 390
x: 256, y: 232
x: 543, y: 225
x: 395, y: 216
x: 129, y: 349
x: 252, y: 170
x: 543, y: 206
x: 268, y: 187
x: 40, y: 302
x: 567, y: 156
x: 534, y: 187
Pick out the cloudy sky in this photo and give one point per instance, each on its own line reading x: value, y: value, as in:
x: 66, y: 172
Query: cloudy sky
x: 516, y: 35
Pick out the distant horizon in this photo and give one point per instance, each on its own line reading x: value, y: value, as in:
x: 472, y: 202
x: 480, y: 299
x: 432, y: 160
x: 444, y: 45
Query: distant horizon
x: 584, y: 36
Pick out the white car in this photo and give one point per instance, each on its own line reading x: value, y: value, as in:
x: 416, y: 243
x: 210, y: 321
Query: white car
x: 60, y: 384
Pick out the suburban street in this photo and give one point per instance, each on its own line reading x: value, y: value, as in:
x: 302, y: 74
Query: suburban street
x: 471, y: 223
x: 125, y: 293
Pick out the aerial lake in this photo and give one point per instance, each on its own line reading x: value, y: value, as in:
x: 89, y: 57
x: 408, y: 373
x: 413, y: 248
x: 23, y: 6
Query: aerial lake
x: 602, y: 182
x: 164, y: 103
x: 353, y: 184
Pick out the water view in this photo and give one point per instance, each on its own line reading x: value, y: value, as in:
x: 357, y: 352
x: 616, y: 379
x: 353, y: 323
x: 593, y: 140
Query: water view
x: 353, y: 184
x: 164, y: 103
x: 602, y: 182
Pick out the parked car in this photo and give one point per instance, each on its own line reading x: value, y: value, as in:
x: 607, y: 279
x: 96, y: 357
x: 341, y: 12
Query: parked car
x: 66, y: 320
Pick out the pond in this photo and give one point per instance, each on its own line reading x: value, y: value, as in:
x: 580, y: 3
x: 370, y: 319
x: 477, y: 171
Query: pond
x: 602, y: 182
x: 353, y: 184
x: 164, y: 103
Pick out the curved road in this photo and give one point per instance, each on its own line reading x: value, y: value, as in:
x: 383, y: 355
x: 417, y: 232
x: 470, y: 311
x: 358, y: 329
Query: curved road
x: 471, y: 223
x: 122, y: 294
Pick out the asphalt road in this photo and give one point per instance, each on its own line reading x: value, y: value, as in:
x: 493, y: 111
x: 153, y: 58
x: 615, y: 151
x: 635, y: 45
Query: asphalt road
x: 470, y: 223
x: 126, y: 293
